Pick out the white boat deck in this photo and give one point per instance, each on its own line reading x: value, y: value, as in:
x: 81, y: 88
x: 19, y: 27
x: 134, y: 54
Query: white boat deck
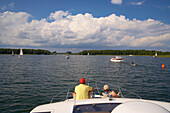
x: 75, y: 106
x: 96, y: 104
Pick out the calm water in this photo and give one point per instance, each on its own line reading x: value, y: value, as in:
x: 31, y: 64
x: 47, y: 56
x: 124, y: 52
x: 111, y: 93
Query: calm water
x: 33, y: 80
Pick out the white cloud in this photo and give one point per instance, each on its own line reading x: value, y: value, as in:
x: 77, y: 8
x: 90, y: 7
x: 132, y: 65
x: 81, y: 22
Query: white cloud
x: 80, y: 30
x: 137, y: 3
x: 58, y: 15
x: 153, y: 41
x: 11, y: 24
x: 118, y: 2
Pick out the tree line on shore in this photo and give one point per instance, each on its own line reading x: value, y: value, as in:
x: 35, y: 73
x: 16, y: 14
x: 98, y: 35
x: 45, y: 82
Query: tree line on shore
x: 25, y: 51
x: 122, y: 52
x: 85, y: 52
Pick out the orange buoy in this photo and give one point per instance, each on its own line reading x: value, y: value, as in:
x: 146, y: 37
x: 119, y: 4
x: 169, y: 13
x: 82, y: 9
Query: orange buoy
x: 163, y: 66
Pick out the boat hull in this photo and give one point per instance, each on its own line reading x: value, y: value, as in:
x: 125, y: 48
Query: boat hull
x: 114, y: 60
x: 77, y: 106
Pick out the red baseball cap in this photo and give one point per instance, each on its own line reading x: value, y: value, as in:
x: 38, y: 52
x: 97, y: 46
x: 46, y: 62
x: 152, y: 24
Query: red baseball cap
x: 82, y: 81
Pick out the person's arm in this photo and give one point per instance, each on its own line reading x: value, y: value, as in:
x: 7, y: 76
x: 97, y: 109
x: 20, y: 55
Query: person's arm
x: 91, y: 89
x: 74, y: 95
x: 90, y: 92
x: 114, y: 94
x: 103, y: 95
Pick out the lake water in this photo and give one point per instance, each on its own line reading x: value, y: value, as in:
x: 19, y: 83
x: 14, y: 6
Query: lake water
x: 34, y: 79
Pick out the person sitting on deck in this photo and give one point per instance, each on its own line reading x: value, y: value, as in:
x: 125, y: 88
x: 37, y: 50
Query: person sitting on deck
x: 108, y: 93
x: 82, y: 91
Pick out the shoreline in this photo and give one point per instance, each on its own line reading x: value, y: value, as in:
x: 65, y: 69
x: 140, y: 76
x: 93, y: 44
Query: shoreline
x: 167, y: 56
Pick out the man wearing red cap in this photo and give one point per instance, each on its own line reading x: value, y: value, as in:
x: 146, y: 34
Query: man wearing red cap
x: 82, y: 91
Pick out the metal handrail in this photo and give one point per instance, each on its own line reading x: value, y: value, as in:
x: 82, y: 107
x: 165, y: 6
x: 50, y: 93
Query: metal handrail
x: 57, y: 95
x: 67, y: 93
x: 119, y: 88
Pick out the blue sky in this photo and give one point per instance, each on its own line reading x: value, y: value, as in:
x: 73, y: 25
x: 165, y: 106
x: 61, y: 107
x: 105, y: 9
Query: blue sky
x: 76, y: 25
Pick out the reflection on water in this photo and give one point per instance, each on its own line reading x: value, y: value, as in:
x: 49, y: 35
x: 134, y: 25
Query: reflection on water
x: 33, y: 80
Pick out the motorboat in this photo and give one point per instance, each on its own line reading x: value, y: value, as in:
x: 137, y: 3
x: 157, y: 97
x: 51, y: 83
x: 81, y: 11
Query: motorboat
x: 67, y: 57
x: 133, y: 64
x: 97, y: 104
x: 131, y: 55
x: 116, y: 59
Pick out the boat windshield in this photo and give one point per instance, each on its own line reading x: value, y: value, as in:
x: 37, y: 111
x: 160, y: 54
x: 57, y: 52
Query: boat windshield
x: 95, y: 108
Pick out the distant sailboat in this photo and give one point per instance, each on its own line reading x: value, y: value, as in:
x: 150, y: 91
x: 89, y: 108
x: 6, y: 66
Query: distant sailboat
x: 21, y: 53
x: 12, y: 53
x: 88, y: 54
x: 155, y: 55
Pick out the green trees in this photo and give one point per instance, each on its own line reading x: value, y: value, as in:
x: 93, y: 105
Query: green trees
x: 25, y: 51
x: 68, y: 52
x: 85, y: 52
x: 122, y: 52
x: 54, y: 52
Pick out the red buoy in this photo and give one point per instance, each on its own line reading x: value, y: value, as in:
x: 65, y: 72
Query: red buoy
x: 163, y: 66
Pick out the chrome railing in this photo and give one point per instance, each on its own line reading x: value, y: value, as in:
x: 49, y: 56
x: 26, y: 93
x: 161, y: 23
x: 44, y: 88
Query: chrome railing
x: 96, y: 91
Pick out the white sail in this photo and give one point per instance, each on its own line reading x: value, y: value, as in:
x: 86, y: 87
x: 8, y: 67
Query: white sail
x: 21, y: 52
x: 12, y: 53
x: 155, y: 55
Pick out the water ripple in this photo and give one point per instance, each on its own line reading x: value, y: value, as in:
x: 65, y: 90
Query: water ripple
x: 33, y: 80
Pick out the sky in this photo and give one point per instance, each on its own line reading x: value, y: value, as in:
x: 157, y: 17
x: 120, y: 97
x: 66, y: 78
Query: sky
x: 77, y: 25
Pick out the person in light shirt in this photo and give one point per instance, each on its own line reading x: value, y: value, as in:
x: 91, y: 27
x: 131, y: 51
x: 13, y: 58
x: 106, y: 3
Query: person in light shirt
x: 82, y: 91
x: 108, y: 93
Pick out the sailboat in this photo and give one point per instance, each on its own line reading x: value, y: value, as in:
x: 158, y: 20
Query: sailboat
x: 21, y: 53
x: 155, y: 55
x: 12, y: 53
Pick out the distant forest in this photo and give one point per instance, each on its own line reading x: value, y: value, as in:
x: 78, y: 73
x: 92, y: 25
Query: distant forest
x: 85, y: 52
x: 122, y: 52
x: 25, y: 51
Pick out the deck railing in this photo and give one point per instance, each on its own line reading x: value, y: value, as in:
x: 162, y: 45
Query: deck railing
x: 97, y: 91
